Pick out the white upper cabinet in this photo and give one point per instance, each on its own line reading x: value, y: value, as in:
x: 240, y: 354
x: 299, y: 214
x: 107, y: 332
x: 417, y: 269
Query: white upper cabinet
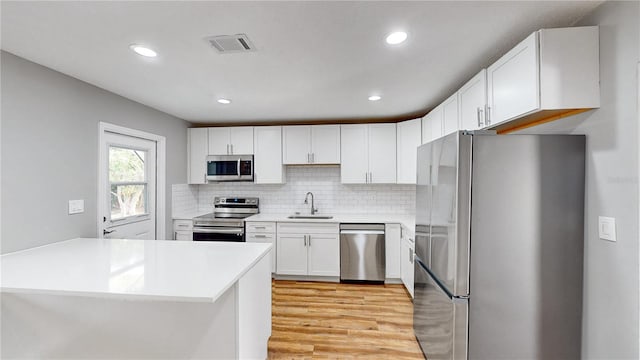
x: 472, y: 101
x: 267, y: 143
x: 197, y: 155
x: 552, y: 70
x: 354, y: 168
x: 325, y: 144
x: 312, y: 144
x: 382, y: 153
x: 450, y: 122
x: 368, y: 154
x: 432, y: 125
x: 408, y: 140
x: 236, y: 140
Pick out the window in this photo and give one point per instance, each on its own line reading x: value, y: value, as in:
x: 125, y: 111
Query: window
x: 127, y: 182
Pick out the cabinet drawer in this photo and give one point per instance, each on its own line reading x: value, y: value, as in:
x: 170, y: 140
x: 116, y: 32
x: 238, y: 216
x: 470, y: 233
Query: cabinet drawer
x: 307, y: 228
x: 180, y: 225
x: 253, y: 237
x: 261, y: 227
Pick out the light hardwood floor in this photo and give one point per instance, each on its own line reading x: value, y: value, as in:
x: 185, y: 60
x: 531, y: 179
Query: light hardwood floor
x: 315, y: 320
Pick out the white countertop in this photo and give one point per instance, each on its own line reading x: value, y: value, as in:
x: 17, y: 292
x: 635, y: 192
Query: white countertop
x: 130, y: 269
x: 189, y: 215
x: 407, y: 221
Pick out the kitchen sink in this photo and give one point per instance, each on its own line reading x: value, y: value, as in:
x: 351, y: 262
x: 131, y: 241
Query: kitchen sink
x: 319, y: 217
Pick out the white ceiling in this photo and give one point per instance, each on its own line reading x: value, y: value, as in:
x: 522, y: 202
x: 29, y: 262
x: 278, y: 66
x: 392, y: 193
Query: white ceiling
x: 315, y: 60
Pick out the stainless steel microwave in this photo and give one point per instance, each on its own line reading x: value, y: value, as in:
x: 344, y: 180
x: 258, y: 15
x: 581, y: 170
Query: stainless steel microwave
x: 230, y: 168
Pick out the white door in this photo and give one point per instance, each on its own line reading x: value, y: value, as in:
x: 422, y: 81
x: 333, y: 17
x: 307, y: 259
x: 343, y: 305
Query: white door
x: 268, y: 167
x: 473, y: 100
x: 324, y: 254
x: 450, y: 115
x: 382, y: 153
x: 219, y: 141
x: 241, y: 140
x: 354, y: 163
x: 129, y: 182
x: 198, y: 150
x: 408, y: 141
x: 296, y: 144
x: 513, y: 82
x: 291, y: 254
x: 325, y: 144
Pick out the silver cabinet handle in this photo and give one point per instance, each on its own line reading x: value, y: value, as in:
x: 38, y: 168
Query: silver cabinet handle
x: 370, y: 178
x: 260, y: 236
x: 488, y: 116
x: 480, y: 117
x: 231, y: 149
x: 410, y: 256
x: 205, y: 178
x: 366, y: 178
x: 313, y: 158
x: 305, y: 240
x: 175, y: 235
x: 260, y: 227
x: 309, y: 240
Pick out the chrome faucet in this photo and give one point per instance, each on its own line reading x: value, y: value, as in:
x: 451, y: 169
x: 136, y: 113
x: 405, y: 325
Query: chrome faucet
x: 306, y: 201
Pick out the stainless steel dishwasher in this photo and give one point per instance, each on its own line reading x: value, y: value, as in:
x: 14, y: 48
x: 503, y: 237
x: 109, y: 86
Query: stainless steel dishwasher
x: 362, y: 252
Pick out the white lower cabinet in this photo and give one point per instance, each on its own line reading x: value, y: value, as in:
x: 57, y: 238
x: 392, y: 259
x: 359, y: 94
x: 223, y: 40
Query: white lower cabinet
x: 392, y: 250
x: 311, y: 249
x: 263, y: 232
x: 183, y: 230
x: 406, y: 260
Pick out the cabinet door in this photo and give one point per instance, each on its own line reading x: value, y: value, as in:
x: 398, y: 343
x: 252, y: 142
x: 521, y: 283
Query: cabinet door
x: 404, y: 263
x: 450, y: 115
x: 324, y: 254
x: 184, y: 235
x: 267, y: 239
x: 408, y: 140
x: 472, y: 99
x: 432, y: 125
x: 291, y: 256
x: 267, y: 164
x: 410, y: 274
x: 197, y: 156
x: 513, y: 83
x: 426, y: 129
x: 392, y: 250
x: 296, y: 147
x: 354, y: 163
x: 219, y: 141
x: 241, y: 140
x: 325, y: 144
x: 382, y: 153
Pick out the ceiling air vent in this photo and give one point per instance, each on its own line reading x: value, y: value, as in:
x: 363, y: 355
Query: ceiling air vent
x: 227, y: 44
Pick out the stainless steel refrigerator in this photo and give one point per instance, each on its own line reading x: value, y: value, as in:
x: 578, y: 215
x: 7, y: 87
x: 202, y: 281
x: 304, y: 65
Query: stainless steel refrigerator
x: 499, y: 246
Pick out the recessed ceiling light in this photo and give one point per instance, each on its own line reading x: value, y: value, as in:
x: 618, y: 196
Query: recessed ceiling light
x: 142, y: 50
x: 374, y: 97
x: 224, y: 101
x: 396, y: 37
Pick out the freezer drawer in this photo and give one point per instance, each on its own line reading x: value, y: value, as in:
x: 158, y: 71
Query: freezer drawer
x: 362, y: 252
x: 440, y: 321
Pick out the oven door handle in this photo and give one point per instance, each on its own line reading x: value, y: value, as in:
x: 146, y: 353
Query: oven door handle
x: 218, y: 231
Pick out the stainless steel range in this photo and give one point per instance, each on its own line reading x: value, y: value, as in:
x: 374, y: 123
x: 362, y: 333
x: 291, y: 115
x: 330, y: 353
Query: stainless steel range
x: 226, y: 223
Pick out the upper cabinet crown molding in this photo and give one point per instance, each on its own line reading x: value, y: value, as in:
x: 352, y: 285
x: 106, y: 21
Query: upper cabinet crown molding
x: 235, y: 140
x: 311, y: 144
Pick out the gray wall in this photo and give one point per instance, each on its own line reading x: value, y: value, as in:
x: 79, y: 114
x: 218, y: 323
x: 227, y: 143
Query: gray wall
x: 610, y: 303
x: 50, y: 150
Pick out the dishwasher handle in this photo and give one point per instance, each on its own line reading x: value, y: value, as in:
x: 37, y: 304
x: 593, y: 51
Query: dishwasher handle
x: 365, y: 232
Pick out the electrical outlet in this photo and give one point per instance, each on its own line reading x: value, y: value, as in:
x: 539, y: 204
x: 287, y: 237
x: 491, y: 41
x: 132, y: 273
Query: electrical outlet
x: 76, y: 207
x: 607, y: 228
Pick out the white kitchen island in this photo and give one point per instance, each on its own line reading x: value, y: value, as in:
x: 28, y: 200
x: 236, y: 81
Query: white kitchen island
x: 102, y: 298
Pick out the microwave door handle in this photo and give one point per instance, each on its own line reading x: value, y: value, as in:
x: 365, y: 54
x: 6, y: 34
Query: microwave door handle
x: 238, y: 167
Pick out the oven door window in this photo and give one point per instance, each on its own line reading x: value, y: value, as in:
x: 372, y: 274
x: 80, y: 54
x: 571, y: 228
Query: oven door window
x: 215, y: 168
x: 223, y: 235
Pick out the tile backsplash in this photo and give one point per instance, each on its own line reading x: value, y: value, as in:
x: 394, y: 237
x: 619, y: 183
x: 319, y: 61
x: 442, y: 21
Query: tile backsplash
x: 331, y: 196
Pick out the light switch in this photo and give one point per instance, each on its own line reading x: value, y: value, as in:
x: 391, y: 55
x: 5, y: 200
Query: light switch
x: 607, y: 228
x: 76, y: 206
